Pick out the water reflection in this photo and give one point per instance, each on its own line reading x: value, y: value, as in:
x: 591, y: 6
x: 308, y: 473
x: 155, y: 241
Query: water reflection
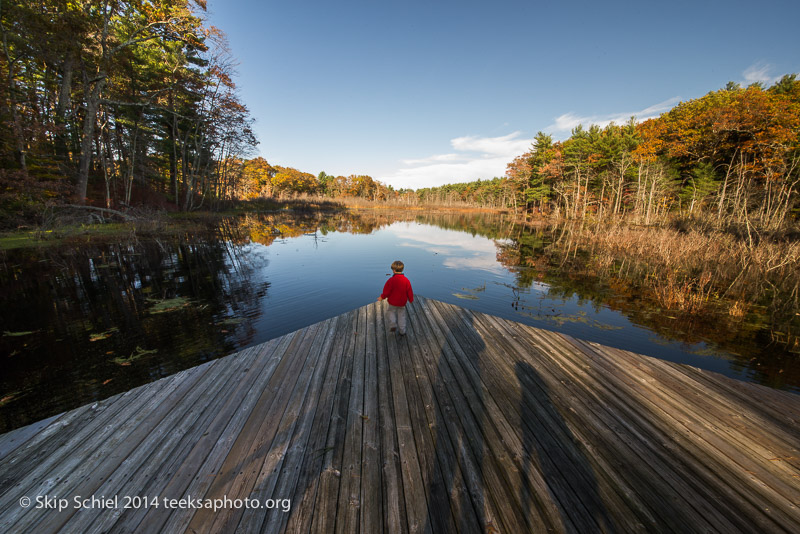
x: 84, y: 323
x: 458, y: 249
x: 87, y: 321
x: 742, y: 345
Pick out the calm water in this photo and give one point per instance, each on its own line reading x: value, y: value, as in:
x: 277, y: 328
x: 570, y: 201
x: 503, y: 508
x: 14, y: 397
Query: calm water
x: 85, y: 322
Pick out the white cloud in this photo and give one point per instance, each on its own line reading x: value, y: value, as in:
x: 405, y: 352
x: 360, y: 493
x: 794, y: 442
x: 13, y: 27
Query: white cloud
x: 432, y: 159
x: 759, y: 72
x: 436, y: 174
x: 565, y: 123
x: 439, y: 240
x: 474, y: 262
x: 484, y: 158
x: 476, y: 158
x: 499, y: 146
x: 657, y: 109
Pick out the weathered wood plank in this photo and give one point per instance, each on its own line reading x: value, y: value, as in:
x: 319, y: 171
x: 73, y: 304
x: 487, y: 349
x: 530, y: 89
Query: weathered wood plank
x: 547, y: 454
x: 673, y: 498
x: 348, y: 510
x: 631, y: 431
x: 471, y: 508
x: 539, y: 372
x: 135, y: 438
x: 780, y: 408
x: 148, y: 469
x: 473, y: 426
x: 281, y: 468
x: 393, y: 502
x: 327, y: 499
x: 413, y: 486
x: 305, y: 494
x: 719, y: 419
x: 468, y: 351
x: 731, y: 455
x: 57, y: 471
x: 470, y: 423
x: 239, y: 472
x: 78, y: 423
x: 23, y: 466
x: 430, y: 451
x: 11, y: 441
x: 371, y: 500
x: 200, y: 467
x: 748, y: 425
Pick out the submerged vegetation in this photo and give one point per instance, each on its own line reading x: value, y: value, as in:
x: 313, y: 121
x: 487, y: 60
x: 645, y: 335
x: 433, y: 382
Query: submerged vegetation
x: 136, y: 115
x: 692, y: 275
x: 122, y: 136
x: 113, y: 314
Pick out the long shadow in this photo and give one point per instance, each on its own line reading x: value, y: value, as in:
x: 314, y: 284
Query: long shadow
x: 550, y: 446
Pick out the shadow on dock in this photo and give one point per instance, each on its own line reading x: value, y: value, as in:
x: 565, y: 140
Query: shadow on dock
x: 549, y: 446
x: 470, y: 423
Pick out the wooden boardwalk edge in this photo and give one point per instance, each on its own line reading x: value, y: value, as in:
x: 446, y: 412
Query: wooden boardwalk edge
x: 469, y: 423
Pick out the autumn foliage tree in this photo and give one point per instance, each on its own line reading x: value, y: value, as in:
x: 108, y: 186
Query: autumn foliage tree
x: 734, y: 153
x: 114, y: 96
x: 739, y: 146
x: 288, y: 180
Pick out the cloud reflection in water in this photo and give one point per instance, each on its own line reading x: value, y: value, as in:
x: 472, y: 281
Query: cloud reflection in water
x: 459, y: 250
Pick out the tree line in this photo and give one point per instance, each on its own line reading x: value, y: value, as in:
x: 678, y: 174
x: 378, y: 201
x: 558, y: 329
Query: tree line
x: 103, y: 100
x: 733, y: 154
x: 113, y: 102
x: 256, y: 178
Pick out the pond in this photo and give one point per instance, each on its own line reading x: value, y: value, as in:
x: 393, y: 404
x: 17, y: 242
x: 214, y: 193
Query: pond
x: 86, y: 321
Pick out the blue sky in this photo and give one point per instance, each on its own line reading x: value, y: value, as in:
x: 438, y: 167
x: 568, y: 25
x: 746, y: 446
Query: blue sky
x: 422, y: 93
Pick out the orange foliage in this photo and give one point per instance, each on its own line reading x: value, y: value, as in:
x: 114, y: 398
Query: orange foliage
x: 754, y: 129
x: 289, y: 180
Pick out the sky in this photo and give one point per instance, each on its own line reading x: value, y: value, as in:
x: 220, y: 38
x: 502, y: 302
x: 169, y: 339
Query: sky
x: 423, y: 93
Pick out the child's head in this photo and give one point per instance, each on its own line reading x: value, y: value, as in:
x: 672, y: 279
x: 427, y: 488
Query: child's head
x: 397, y: 266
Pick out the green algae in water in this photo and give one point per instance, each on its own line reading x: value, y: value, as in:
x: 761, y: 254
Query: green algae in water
x: 103, y: 335
x: 231, y: 321
x: 471, y: 293
x: 18, y: 334
x: 9, y: 397
x: 559, y: 319
x: 135, y: 355
x: 167, y: 305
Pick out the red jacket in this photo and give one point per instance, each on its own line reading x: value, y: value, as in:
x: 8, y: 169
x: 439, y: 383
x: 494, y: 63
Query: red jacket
x: 398, y: 290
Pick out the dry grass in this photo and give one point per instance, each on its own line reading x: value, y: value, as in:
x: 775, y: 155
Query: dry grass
x: 688, y: 270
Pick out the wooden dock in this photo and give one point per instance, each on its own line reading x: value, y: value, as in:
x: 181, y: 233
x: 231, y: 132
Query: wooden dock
x: 470, y: 423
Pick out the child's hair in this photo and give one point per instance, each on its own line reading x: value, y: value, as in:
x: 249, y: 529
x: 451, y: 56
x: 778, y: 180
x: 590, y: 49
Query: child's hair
x: 398, y: 266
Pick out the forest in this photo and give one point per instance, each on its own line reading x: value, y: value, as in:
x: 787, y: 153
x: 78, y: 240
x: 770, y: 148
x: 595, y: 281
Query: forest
x: 732, y: 154
x: 731, y: 157
x: 114, y: 105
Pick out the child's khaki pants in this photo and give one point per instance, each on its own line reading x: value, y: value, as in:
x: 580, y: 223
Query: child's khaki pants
x: 396, y: 317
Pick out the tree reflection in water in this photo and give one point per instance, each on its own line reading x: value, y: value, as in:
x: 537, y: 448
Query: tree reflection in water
x: 84, y: 322
x: 105, y: 318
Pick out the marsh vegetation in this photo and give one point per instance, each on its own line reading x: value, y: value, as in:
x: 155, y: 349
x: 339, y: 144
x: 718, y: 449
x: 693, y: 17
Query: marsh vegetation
x: 91, y: 317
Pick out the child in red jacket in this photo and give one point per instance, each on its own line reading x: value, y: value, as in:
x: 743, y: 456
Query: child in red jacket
x: 398, y: 290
